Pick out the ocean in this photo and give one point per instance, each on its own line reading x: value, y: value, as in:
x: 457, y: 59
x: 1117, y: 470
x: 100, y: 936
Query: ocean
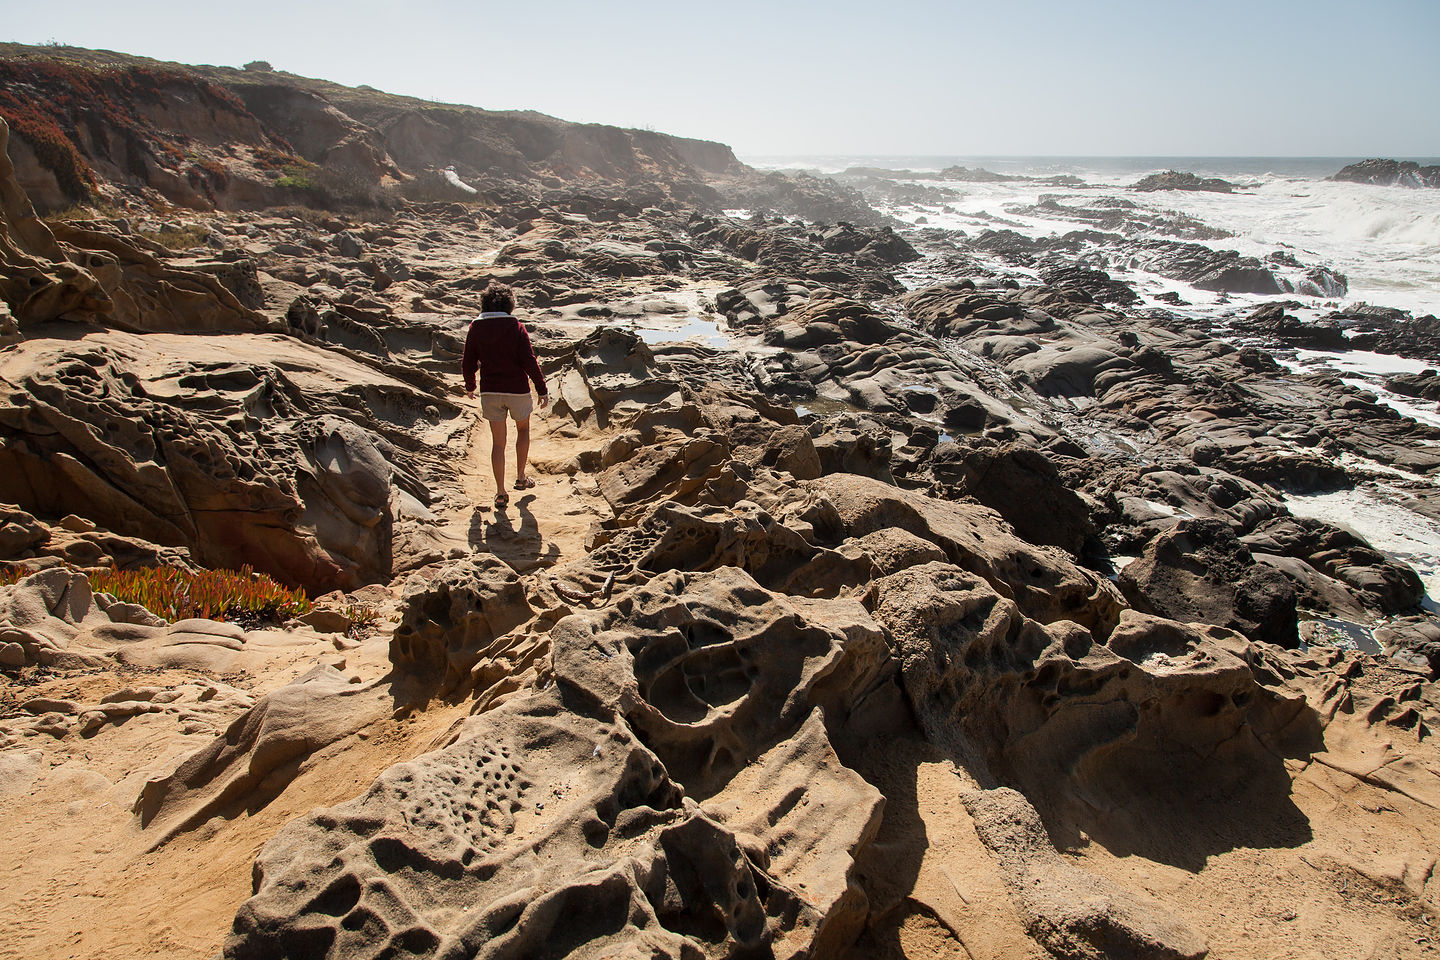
x: 1385, y: 240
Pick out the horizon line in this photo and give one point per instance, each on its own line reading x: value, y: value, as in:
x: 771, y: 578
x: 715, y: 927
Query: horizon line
x: 1096, y: 156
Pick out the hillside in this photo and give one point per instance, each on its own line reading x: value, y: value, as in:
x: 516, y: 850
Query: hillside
x: 87, y: 121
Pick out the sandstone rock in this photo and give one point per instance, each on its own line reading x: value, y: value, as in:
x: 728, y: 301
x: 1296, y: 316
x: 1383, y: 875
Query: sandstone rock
x: 39, y: 283
x: 1022, y: 484
x: 148, y: 294
x: 853, y: 446
x: 1067, y: 371
x: 1046, y: 585
x: 1165, y: 706
x: 91, y: 274
x: 548, y: 821
x: 259, y: 753
x: 19, y: 532
x: 41, y: 615
x: 323, y: 620
x: 1072, y: 913
x: 232, y: 459
x: 446, y: 621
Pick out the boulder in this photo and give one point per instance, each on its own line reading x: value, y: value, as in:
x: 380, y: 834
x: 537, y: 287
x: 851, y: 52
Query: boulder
x: 448, y: 620
x: 1174, y: 180
x: 1200, y: 571
x: 1390, y: 173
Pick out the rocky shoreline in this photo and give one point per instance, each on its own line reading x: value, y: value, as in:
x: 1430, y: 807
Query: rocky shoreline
x: 872, y: 603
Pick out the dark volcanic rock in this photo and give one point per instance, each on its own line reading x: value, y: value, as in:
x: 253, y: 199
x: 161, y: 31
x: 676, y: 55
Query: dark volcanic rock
x: 1425, y: 385
x: 1175, y: 180
x: 1381, y: 584
x: 1097, y: 283
x: 1201, y: 572
x: 978, y: 175
x: 883, y: 244
x: 1223, y: 271
x: 1390, y: 173
x: 1391, y: 331
x: 981, y: 175
x: 1118, y: 215
x: 1271, y: 321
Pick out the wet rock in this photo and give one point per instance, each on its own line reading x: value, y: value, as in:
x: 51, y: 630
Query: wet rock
x: 1045, y: 583
x: 1390, y: 173
x: 1223, y: 271
x: 1425, y: 385
x: 1376, y: 582
x: 39, y: 282
x: 1097, y: 283
x: 1175, y: 180
x: 1271, y: 321
x: 1392, y: 331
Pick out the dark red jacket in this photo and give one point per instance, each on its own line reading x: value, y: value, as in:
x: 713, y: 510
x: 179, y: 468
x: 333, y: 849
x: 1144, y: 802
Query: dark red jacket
x: 499, y: 346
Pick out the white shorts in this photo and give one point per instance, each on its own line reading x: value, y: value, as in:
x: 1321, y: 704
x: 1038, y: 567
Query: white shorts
x: 494, y: 405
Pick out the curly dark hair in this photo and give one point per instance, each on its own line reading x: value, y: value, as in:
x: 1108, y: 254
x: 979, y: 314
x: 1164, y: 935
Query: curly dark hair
x: 497, y: 298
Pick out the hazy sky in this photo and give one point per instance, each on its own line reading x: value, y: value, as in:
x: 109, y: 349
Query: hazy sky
x: 907, y: 77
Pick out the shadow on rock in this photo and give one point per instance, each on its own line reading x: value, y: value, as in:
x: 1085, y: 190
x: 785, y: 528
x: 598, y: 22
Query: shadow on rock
x: 1168, y: 740
x: 522, y: 546
x: 565, y: 820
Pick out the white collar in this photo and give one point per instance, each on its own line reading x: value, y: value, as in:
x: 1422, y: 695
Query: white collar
x: 493, y: 313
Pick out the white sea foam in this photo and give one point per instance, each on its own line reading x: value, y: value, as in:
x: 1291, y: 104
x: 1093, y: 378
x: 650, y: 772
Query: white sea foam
x: 1386, y: 240
x: 1364, y: 362
x: 1368, y: 371
x: 1378, y: 514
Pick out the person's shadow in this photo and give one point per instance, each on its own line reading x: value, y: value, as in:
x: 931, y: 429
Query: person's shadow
x: 521, y: 545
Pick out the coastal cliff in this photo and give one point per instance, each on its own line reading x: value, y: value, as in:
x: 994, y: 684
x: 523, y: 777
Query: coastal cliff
x: 224, y: 138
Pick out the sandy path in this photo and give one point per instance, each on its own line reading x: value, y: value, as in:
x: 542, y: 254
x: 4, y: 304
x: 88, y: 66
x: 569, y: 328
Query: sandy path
x: 546, y: 524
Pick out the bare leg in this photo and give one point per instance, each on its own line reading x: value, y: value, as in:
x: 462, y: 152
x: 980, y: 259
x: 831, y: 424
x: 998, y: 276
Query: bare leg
x: 497, y: 453
x: 522, y: 448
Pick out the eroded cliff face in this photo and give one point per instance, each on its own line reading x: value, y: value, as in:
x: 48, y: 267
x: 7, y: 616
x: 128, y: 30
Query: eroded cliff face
x: 143, y: 392
x: 82, y: 123
x: 218, y: 138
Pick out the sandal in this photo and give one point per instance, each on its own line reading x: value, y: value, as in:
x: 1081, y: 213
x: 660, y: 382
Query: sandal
x: 502, y: 500
x: 524, y: 483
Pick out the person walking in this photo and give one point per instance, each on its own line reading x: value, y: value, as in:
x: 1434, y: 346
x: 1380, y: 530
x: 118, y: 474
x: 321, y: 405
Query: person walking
x: 499, y: 347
